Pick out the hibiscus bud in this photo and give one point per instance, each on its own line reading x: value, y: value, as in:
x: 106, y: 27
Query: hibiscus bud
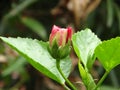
x: 59, y: 41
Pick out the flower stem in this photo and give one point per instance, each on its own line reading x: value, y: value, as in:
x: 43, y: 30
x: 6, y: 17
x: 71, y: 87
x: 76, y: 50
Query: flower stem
x: 66, y: 87
x: 101, y: 80
x: 67, y: 81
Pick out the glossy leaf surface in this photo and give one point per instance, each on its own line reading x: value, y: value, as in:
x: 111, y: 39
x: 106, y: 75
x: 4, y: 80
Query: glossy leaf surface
x: 36, y: 52
x: 108, y: 53
x: 84, y: 43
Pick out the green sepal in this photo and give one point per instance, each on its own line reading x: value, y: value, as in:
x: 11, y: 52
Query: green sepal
x: 64, y: 51
x: 54, y: 50
x: 59, y: 52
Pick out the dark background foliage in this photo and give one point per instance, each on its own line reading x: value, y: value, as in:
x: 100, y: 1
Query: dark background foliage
x: 28, y: 18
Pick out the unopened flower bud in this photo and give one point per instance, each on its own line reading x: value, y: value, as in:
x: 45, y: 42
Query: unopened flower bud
x: 59, y: 41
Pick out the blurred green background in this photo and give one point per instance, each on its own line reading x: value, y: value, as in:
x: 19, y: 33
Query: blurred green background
x: 35, y: 18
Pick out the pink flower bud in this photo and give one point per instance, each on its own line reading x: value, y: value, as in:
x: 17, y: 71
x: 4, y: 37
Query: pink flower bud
x: 59, y: 41
x: 60, y: 35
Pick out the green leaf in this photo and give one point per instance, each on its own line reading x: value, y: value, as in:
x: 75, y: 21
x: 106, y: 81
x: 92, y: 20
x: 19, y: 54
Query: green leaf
x: 37, y: 54
x: 108, y: 53
x: 35, y: 26
x: 84, y: 43
x: 86, y: 77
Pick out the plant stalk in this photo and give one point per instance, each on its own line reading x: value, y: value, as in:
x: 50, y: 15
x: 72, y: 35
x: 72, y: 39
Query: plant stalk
x: 101, y: 80
x: 67, y: 81
x: 66, y: 87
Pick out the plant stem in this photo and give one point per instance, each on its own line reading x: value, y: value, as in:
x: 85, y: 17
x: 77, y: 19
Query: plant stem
x: 101, y: 80
x: 67, y: 81
x: 66, y: 88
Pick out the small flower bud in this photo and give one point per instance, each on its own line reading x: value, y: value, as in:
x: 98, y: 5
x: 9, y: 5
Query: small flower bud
x: 59, y: 41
